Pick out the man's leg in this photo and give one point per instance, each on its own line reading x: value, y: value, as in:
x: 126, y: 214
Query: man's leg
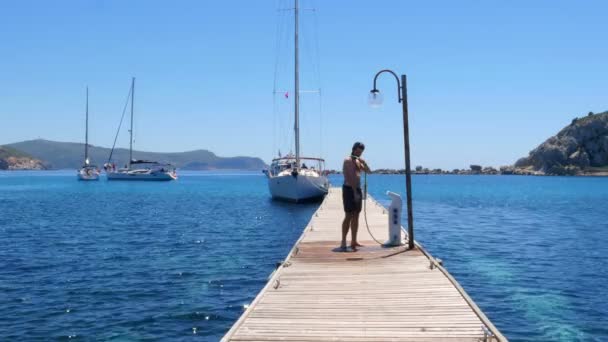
x: 354, y: 224
x: 345, y: 225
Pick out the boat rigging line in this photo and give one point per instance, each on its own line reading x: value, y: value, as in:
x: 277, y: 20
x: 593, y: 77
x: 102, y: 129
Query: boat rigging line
x: 124, y: 110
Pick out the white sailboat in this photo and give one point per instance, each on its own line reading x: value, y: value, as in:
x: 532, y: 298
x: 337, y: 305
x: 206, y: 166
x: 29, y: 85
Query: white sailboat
x: 87, y: 172
x: 145, y: 170
x: 289, y: 178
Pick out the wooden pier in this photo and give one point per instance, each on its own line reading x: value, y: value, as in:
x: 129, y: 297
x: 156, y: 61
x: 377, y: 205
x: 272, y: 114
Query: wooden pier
x: 375, y: 294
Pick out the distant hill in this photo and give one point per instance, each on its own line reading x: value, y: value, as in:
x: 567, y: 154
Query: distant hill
x: 65, y: 155
x: 13, y: 159
x: 579, y: 148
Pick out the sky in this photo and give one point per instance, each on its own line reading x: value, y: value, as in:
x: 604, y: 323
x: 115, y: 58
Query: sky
x: 487, y: 80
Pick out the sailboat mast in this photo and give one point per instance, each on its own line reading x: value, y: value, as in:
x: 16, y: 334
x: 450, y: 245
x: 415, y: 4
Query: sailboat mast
x: 131, y: 130
x: 297, y: 88
x: 86, y: 134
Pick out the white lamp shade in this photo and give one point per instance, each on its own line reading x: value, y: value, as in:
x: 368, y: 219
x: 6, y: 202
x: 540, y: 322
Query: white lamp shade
x: 375, y: 99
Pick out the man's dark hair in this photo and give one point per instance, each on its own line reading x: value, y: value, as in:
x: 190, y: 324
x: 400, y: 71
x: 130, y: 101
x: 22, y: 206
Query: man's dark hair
x: 358, y: 145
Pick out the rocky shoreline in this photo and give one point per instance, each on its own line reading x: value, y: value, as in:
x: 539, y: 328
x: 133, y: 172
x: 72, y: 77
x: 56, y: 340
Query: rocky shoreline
x: 488, y: 170
x: 11, y: 159
x: 21, y: 163
x: 579, y: 149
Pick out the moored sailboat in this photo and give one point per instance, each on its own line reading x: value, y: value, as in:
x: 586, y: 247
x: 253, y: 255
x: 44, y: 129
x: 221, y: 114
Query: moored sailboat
x: 87, y: 172
x: 289, y: 178
x: 145, y: 170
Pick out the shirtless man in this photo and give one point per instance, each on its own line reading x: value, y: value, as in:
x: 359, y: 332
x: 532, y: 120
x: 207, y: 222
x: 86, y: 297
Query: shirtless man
x: 351, y: 194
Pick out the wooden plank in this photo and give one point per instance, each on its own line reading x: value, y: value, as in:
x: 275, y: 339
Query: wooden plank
x: 374, y: 294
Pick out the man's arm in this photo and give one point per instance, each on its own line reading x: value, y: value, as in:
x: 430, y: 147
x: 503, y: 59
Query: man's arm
x: 350, y: 173
x: 346, y: 172
x: 364, y: 166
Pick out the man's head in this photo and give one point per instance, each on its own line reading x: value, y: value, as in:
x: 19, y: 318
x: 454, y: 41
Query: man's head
x: 358, y: 148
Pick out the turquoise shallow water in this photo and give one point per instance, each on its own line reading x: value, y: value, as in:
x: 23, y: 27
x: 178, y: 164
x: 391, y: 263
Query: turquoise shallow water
x: 124, y: 261
x: 531, y: 251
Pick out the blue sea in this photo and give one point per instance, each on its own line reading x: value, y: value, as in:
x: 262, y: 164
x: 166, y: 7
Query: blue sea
x: 179, y: 261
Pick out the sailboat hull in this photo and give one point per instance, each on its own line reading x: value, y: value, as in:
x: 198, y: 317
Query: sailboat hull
x: 93, y: 177
x: 142, y: 176
x: 88, y: 178
x: 88, y: 174
x: 298, y: 188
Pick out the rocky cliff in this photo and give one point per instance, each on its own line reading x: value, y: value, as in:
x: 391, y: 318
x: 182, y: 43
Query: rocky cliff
x: 579, y: 148
x: 12, y: 159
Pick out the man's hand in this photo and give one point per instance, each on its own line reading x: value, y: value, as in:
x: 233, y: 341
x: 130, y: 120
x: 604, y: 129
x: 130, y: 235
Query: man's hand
x: 363, y: 165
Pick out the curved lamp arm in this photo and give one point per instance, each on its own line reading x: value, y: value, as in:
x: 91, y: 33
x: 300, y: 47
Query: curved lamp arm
x: 375, y: 90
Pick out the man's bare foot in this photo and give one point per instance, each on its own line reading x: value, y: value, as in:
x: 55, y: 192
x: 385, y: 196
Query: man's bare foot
x: 353, y: 247
x: 356, y: 244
